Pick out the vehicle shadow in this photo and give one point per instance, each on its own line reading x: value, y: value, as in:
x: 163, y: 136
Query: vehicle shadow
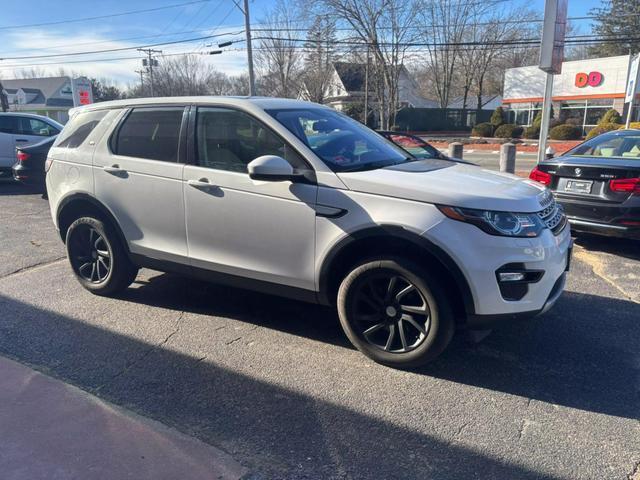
x: 278, y: 432
x: 11, y: 187
x: 578, y: 355
x: 623, y: 247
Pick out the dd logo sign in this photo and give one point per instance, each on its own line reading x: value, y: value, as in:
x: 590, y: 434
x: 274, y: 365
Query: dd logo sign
x: 593, y: 79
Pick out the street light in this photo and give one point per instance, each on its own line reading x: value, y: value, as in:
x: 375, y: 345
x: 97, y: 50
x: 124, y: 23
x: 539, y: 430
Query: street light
x: 224, y: 44
x: 215, y: 52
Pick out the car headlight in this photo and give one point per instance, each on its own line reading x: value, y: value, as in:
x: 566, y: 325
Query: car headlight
x: 506, y: 224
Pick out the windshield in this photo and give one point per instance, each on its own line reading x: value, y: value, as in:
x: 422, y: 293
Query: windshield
x: 621, y: 145
x: 342, y: 143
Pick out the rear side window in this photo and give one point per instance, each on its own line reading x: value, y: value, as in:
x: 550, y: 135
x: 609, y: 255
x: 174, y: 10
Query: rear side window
x: 8, y: 124
x: 33, y: 126
x: 79, y: 127
x: 151, y: 133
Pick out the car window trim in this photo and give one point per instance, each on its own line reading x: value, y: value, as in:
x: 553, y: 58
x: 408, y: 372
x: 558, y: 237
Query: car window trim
x: 113, y: 138
x: 192, y: 139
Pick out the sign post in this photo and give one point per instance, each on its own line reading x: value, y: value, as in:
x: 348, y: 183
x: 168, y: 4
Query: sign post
x: 632, y: 87
x: 551, y: 57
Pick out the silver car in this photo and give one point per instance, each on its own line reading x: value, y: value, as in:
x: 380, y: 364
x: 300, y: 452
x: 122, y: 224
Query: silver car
x: 21, y: 129
x: 296, y: 199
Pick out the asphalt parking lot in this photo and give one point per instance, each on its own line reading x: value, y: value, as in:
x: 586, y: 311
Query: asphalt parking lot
x: 275, y: 384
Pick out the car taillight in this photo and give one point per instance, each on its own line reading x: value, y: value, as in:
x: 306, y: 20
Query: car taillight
x: 628, y: 185
x: 540, y: 176
x: 22, y: 156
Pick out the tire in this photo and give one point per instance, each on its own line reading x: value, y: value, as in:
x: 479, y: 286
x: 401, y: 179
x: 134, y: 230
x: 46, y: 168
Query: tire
x: 97, y: 257
x: 374, y: 309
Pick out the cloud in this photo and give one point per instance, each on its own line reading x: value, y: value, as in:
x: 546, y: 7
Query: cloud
x: 118, y: 66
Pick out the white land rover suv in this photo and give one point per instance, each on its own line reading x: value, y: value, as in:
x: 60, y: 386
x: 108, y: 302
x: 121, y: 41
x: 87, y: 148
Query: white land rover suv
x: 296, y: 199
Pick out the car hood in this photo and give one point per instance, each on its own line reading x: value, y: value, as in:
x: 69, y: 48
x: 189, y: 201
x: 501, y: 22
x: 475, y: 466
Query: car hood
x: 453, y: 184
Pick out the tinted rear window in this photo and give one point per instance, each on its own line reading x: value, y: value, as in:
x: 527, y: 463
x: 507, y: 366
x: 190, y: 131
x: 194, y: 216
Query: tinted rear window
x: 79, y: 128
x: 8, y: 124
x: 151, y: 133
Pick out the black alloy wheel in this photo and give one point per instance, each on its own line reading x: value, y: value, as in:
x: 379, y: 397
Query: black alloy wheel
x: 391, y: 313
x: 98, y: 257
x: 395, y: 313
x: 91, y: 257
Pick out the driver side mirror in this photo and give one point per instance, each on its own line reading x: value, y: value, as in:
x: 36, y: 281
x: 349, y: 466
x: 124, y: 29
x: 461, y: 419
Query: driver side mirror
x: 271, y: 168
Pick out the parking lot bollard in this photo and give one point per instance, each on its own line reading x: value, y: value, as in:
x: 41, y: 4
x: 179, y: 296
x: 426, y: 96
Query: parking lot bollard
x: 508, y: 158
x: 455, y: 150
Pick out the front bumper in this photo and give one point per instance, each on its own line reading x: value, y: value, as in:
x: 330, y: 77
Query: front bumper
x: 476, y: 321
x: 480, y: 255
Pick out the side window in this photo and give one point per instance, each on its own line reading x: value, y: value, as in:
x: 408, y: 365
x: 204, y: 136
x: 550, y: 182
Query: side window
x: 151, y: 133
x: 8, y: 124
x: 33, y: 126
x: 230, y: 139
x: 79, y: 127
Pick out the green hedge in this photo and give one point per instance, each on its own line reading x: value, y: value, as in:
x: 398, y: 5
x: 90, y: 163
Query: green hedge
x: 482, y: 130
x: 565, y: 132
x: 497, y: 117
x: 602, y: 128
x: 508, y: 130
x: 611, y: 116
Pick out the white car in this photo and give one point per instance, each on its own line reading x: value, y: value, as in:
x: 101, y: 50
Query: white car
x: 21, y: 129
x: 296, y: 199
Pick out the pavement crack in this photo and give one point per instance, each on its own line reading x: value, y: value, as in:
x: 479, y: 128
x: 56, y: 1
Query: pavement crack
x: 46, y: 263
x: 232, y: 341
x: 635, y: 472
x: 461, y: 429
x: 144, y: 354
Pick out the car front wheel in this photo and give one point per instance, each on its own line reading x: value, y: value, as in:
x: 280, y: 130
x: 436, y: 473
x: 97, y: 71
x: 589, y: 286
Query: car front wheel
x: 394, y: 313
x: 98, y: 258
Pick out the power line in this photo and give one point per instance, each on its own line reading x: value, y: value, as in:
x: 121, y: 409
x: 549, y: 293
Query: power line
x: 120, y: 49
x: 85, y: 19
x: 92, y: 60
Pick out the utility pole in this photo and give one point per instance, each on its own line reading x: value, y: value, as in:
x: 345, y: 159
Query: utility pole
x: 150, y: 62
x: 141, y: 72
x: 247, y: 30
x: 366, y: 88
x: 551, y: 57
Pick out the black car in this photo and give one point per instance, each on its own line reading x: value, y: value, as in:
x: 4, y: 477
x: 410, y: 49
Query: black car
x: 29, y: 168
x: 598, y: 183
x: 416, y: 146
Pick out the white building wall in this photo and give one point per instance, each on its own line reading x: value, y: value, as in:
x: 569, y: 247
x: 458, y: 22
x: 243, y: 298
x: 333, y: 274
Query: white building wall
x: 528, y: 82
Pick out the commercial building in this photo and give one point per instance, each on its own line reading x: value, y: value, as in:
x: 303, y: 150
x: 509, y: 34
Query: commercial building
x: 582, y: 93
x: 49, y: 96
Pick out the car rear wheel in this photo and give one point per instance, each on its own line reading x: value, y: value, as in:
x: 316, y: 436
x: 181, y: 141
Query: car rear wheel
x: 394, y: 313
x: 98, y: 258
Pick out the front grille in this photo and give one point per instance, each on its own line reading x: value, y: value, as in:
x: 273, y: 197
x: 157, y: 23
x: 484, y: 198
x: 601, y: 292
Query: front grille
x: 553, y: 217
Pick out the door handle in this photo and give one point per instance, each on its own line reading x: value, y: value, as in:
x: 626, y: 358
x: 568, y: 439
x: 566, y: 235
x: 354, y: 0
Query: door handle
x: 113, y: 169
x: 21, y: 140
x: 202, y: 183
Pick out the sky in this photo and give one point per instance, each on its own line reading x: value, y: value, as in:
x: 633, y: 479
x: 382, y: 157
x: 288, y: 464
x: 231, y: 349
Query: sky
x: 196, y: 19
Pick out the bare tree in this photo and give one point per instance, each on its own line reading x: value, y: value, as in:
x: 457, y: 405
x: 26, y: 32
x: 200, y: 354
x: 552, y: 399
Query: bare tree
x: 319, y: 56
x: 445, y: 23
x: 183, y: 75
x: 385, y: 27
x: 4, y: 101
x: 278, y: 56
